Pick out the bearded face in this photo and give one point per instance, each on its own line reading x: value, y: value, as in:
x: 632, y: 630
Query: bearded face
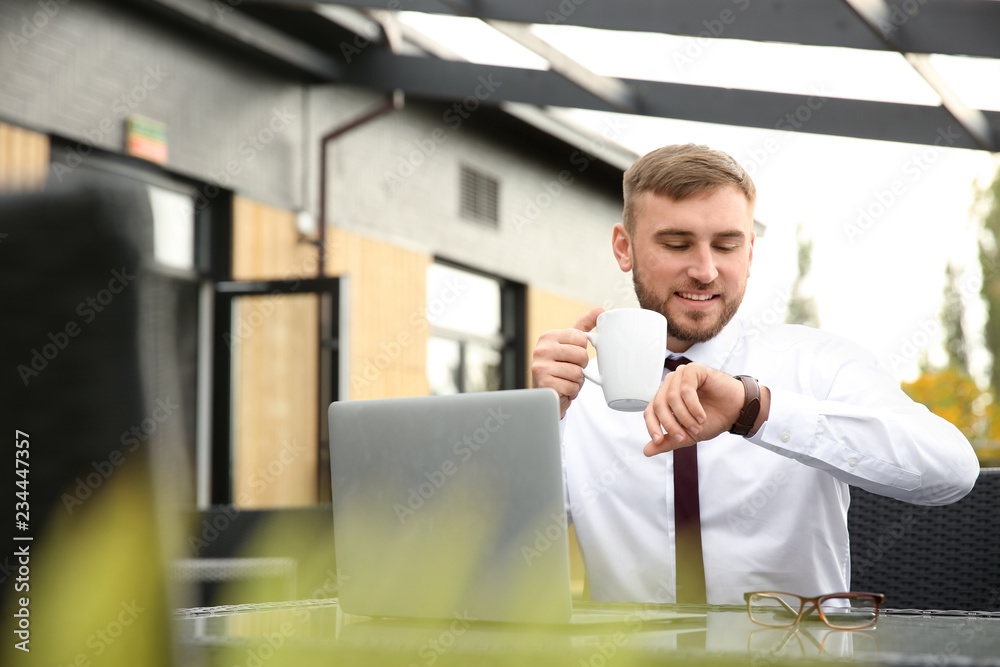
x: 690, y: 260
x: 688, y: 326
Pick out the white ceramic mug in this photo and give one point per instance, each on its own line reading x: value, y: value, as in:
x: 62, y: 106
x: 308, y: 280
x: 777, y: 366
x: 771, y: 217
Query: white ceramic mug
x: 631, y: 345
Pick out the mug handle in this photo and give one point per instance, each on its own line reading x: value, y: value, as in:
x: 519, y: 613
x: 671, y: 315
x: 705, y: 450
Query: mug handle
x: 592, y: 375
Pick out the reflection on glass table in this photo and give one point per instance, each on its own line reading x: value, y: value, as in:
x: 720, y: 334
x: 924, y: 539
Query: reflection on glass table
x: 800, y: 641
x: 317, y: 632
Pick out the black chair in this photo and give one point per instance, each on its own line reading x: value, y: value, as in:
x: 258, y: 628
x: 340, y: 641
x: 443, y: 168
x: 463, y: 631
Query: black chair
x: 82, y: 318
x: 929, y: 557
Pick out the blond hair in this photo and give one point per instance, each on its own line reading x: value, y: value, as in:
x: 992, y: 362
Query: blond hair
x: 679, y: 172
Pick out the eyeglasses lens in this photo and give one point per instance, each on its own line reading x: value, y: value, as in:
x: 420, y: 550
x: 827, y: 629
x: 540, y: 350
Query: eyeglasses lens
x: 774, y: 609
x: 850, y: 613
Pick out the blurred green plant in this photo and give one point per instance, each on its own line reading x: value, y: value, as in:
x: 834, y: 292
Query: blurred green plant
x: 987, y: 207
x: 802, y: 308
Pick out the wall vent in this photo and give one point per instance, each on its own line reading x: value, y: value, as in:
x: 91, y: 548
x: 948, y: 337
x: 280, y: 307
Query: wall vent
x: 480, y: 197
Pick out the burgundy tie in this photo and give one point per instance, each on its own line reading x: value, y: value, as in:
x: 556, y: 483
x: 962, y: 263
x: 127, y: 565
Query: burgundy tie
x: 687, y: 519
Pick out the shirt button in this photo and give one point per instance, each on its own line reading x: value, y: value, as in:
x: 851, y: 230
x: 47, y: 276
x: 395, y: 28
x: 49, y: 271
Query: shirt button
x: 852, y: 462
x: 786, y: 436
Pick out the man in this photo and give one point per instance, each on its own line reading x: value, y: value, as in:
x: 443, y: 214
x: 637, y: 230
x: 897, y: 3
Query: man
x: 773, y: 503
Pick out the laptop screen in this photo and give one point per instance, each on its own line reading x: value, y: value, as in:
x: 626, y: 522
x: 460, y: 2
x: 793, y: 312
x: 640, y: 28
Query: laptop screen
x: 451, y: 507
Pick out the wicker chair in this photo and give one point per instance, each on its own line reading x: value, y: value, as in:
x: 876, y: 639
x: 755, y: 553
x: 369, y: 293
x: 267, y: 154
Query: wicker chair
x: 929, y: 557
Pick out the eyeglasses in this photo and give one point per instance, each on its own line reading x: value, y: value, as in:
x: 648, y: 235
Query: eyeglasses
x: 841, y: 611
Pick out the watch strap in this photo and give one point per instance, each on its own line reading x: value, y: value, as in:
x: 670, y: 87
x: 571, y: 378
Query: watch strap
x: 751, y: 406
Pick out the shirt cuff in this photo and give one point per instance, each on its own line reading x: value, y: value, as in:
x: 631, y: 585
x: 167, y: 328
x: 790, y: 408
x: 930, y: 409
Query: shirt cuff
x: 791, y: 425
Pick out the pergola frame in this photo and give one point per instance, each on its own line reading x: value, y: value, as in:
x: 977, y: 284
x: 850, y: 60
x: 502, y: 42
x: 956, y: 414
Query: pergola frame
x: 913, y: 28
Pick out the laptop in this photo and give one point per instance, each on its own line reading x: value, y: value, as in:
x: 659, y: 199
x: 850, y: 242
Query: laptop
x: 452, y: 507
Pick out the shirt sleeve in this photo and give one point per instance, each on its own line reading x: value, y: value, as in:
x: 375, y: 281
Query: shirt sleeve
x: 852, y: 420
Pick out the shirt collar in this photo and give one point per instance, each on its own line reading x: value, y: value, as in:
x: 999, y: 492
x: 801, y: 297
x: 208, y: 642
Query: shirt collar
x: 715, y: 352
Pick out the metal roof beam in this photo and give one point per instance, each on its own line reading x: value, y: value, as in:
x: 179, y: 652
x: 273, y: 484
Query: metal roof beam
x: 877, y: 15
x: 949, y: 27
x: 471, y: 84
x: 220, y: 18
x: 612, y: 90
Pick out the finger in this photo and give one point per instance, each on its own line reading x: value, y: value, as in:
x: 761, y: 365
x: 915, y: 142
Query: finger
x: 666, y: 445
x: 588, y: 321
x: 571, y: 354
x: 662, y: 443
x: 567, y: 345
x: 563, y: 336
x: 546, y: 371
x: 685, y: 406
x: 653, y: 426
x: 567, y: 364
x: 568, y: 387
x: 692, y: 380
x: 660, y: 422
x: 666, y: 433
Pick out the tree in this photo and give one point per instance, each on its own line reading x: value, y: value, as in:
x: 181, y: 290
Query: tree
x: 952, y: 318
x: 801, y: 308
x: 951, y: 394
x: 988, y: 204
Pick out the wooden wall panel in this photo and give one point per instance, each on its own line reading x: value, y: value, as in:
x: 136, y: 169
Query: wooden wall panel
x: 275, y: 364
x: 275, y: 458
x: 548, y: 311
x: 388, y: 324
x: 266, y: 244
x: 24, y: 158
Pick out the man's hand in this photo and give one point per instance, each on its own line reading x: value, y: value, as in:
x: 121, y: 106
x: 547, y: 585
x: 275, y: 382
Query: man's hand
x: 559, y: 359
x: 694, y: 403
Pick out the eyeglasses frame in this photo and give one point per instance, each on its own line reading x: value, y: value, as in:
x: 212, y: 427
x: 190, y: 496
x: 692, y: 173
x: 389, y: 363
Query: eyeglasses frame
x: 816, y: 602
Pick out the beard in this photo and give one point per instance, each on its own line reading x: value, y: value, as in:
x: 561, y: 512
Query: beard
x: 703, y: 326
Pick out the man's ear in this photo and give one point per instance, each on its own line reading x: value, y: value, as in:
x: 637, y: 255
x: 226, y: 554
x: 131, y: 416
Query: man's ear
x: 753, y: 237
x: 621, y: 243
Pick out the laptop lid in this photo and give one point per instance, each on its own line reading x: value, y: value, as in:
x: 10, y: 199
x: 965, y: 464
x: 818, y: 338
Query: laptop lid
x: 451, y: 507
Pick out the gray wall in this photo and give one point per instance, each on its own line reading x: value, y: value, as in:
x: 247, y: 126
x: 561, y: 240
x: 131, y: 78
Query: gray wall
x: 398, y: 178
x: 77, y: 70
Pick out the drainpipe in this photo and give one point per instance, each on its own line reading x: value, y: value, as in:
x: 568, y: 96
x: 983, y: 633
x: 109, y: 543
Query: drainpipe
x: 392, y: 103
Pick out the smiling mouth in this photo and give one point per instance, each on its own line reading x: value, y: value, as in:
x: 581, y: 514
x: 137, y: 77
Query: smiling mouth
x: 696, y: 297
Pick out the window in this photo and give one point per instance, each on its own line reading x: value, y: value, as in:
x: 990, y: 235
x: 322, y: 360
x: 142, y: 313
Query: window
x: 173, y: 228
x: 480, y: 197
x: 477, y: 339
x: 277, y: 366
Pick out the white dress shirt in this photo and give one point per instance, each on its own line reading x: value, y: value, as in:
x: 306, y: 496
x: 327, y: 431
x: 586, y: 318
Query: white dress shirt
x: 774, y: 505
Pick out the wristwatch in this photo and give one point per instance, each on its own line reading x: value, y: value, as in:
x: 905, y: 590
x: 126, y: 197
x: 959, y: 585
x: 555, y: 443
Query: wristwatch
x: 751, y: 406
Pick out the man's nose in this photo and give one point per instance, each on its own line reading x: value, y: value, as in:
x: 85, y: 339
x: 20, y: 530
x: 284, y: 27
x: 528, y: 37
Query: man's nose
x: 703, y: 267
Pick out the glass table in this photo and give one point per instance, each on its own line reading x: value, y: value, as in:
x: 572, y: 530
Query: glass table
x: 318, y: 632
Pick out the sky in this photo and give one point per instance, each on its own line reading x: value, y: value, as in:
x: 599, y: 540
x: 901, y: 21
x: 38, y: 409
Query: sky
x: 884, y: 218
